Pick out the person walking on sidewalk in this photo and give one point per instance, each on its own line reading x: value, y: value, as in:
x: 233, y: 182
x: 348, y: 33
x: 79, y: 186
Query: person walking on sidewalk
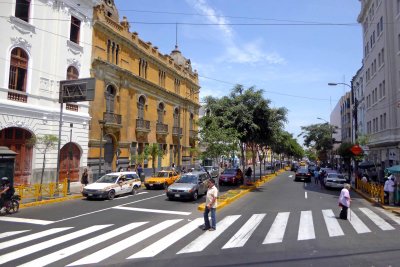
x: 248, y: 174
x: 389, y: 187
x: 211, y: 206
x: 344, y: 201
x: 84, y: 178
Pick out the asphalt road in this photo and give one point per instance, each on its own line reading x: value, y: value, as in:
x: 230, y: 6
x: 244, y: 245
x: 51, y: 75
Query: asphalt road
x: 283, y: 223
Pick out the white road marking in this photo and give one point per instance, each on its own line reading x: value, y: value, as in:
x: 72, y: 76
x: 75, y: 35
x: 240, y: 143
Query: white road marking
x: 395, y: 218
x: 154, y: 210
x: 200, y: 243
x: 244, y: 233
x: 31, y: 237
x: 168, y: 240
x: 277, y: 230
x: 7, y: 234
x: 63, y: 253
x: 50, y: 243
x: 23, y: 220
x: 306, y: 227
x: 332, y: 224
x: 84, y: 214
x: 357, y: 224
x: 381, y: 223
x: 305, y: 195
x: 124, y: 244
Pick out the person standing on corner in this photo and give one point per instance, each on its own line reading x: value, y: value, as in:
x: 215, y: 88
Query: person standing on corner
x: 344, y: 201
x: 211, y: 205
x: 84, y: 179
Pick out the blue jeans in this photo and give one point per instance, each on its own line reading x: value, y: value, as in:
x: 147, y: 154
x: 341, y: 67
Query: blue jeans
x: 213, y: 218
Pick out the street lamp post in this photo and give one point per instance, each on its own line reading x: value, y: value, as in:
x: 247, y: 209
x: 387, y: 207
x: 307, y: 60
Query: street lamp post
x: 70, y: 158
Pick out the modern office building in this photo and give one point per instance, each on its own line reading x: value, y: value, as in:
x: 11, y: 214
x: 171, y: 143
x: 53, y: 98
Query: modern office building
x: 43, y: 43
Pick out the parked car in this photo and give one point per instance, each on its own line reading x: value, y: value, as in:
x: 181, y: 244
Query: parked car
x: 190, y: 185
x: 335, y: 180
x: 161, y: 179
x: 213, y: 171
x: 231, y: 176
x: 302, y: 174
x: 113, y: 184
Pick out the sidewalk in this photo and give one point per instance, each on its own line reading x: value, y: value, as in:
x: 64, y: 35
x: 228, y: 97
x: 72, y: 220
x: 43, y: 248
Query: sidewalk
x: 75, y: 192
x: 394, y: 209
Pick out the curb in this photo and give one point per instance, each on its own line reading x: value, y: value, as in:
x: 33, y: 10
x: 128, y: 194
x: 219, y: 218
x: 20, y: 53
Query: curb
x: 373, y: 201
x: 243, y: 190
x: 48, y: 201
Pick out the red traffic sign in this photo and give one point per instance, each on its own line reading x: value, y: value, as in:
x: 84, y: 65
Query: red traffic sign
x: 356, y: 150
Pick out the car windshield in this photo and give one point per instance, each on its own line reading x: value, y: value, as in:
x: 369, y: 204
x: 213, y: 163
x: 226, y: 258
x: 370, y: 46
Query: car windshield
x: 162, y: 174
x: 230, y: 171
x: 335, y: 175
x: 188, y: 179
x: 108, y: 178
x: 302, y: 171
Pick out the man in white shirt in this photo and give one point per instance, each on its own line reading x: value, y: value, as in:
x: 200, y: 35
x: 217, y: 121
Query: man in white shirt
x: 211, y: 205
x: 389, y: 187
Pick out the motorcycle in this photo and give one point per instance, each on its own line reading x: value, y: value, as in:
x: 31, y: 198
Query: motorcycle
x: 12, y: 205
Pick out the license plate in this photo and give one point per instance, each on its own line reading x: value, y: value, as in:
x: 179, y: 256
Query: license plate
x: 177, y: 195
x: 90, y: 195
x: 151, y: 184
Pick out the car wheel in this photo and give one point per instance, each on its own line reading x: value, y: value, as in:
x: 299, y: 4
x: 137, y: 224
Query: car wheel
x: 133, y: 192
x: 195, y: 195
x: 147, y: 187
x: 111, y: 195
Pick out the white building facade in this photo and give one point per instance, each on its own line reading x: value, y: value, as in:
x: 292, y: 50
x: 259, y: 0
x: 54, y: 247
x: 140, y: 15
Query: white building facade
x: 44, y: 42
x: 381, y: 79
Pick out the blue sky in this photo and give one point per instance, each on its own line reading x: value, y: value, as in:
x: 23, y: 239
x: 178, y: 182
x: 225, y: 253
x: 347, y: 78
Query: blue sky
x: 291, y: 63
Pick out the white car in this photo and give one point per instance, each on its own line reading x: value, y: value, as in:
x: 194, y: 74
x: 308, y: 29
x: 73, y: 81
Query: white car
x: 113, y: 184
x: 335, y: 180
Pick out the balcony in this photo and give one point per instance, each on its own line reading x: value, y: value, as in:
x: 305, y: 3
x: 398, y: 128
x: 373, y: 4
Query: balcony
x: 193, y: 134
x: 161, y: 128
x: 111, y: 118
x: 142, y: 125
x: 17, y: 96
x: 177, y: 131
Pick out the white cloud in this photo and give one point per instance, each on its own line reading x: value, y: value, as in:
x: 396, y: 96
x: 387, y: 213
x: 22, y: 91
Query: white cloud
x: 236, y: 51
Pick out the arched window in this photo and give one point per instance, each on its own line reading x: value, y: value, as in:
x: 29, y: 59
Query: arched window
x: 22, y: 9
x: 18, y: 70
x: 110, y: 96
x: 141, y: 104
x: 160, y: 112
x: 72, y: 73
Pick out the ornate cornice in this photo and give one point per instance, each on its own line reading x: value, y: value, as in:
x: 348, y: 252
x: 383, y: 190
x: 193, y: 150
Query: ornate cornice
x: 21, y: 42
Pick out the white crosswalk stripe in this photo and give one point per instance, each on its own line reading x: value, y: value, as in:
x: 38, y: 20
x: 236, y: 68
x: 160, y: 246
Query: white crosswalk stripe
x: 357, y: 224
x: 306, y: 228
x: 241, y: 235
x: 46, y: 244
x: 123, y: 244
x: 31, y: 237
x: 381, y: 223
x: 7, y: 234
x: 332, y: 224
x: 168, y: 240
x: 208, y: 237
x: 277, y: 230
x: 63, y: 253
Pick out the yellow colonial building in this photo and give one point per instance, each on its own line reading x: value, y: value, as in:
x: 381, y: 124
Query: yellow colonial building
x: 142, y: 97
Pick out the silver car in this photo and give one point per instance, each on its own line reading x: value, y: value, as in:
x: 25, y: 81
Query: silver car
x: 189, y: 186
x: 335, y: 180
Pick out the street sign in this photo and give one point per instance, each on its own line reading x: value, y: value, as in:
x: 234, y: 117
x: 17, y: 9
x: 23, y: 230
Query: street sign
x: 77, y: 90
x: 356, y: 150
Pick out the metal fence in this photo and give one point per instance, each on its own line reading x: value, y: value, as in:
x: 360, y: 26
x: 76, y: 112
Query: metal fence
x: 38, y: 192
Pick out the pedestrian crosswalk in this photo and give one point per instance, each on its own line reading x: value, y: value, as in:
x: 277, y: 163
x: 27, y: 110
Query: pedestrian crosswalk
x: 49, y: 246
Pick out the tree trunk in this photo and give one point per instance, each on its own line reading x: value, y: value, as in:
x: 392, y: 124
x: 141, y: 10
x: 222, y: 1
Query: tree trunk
x: 41, y: 176
x: 242, y: 153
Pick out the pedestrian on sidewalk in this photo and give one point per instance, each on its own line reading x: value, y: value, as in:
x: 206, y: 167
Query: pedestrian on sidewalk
x: 84, y: 178
x: 389, y: 187
x: 316, y: 176
x: 248, y: 173
x: 344, y: 201
x: 211, y: 206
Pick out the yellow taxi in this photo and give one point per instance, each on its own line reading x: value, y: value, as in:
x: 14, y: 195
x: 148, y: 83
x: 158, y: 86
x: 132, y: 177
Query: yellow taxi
x: 161, y: 179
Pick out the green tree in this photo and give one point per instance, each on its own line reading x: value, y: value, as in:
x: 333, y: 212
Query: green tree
x: 43, y: 144
x: 153, y: 152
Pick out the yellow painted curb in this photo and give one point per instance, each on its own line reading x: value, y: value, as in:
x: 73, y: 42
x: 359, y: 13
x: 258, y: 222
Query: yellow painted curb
x: 49, y: 201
